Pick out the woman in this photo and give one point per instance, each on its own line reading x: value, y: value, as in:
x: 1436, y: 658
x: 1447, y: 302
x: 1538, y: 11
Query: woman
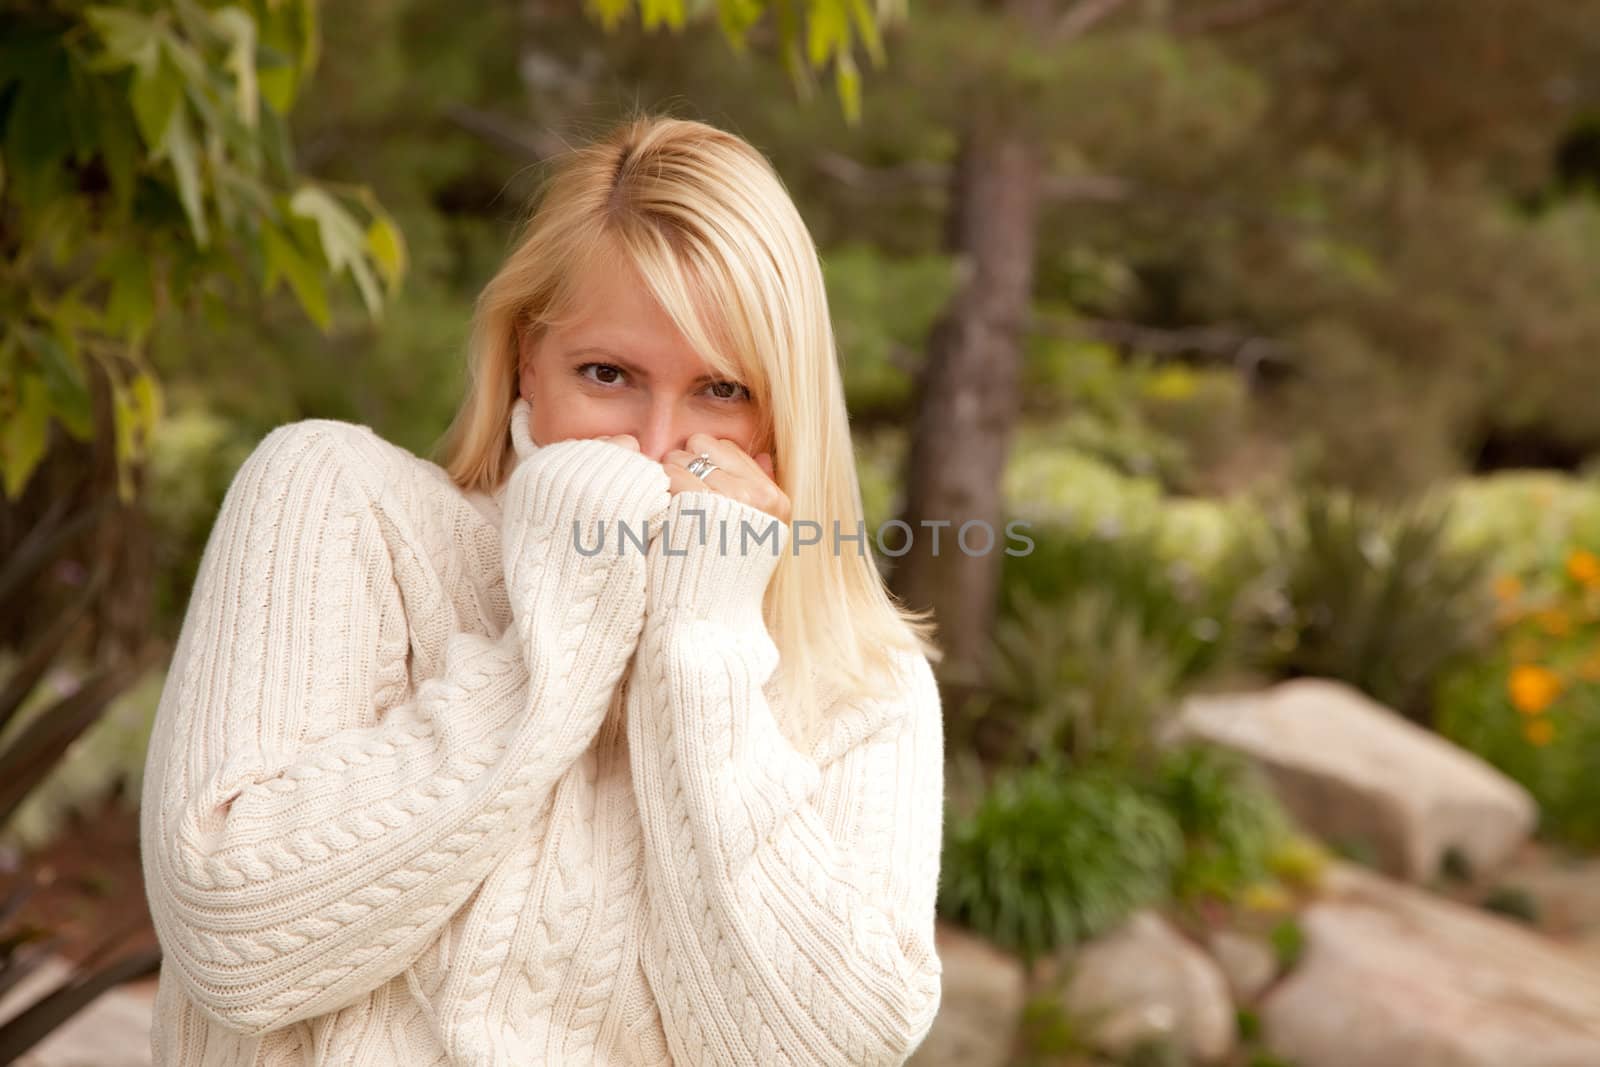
x: 525, y: 759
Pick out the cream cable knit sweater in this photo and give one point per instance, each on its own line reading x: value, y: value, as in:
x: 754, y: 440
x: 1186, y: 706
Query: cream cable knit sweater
x: 429, y: 786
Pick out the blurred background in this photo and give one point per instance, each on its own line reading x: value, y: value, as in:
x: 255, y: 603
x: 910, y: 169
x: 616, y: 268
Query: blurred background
x: 1275, y: 319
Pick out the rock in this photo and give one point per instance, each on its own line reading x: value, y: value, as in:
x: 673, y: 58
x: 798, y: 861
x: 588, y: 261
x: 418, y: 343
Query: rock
x: 1355, y: 773
x: 980, y: 1006
x: 1146, y: 982
x: 1248, y: 963
x: 1394, y: 977
x: 113, y: 1031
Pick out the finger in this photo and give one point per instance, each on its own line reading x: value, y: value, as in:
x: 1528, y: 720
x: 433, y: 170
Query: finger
x: 718, y: 480
x: 626, y: 440
x: 681, y: 481
x: 723, y: 452
x: 682, y: 459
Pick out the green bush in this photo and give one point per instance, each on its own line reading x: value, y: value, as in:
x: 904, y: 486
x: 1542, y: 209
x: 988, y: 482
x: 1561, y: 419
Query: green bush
x: 1374, y: 595
x: 1549, y: 743
x: 1232, y: 825
x: 1077, y: 678
x: 1186, y: 608
x: 1049, y: 859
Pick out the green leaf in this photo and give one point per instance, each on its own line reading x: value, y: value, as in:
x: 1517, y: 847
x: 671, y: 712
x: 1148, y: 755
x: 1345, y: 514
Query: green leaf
x: 343, y: 241
x: 156, y: 96
x: 136, y: 407
x: 827, y: 32
x: 118, y: 143
x: 66, y: 389
x: 387, y: 246
x: 867, y: 29
x: 285, y: 260
x: 240, y: 29
x: 25, y: 435
x: 179, y: 147
x: 131, y: 307
x: 131, y: 39
x: 654, y: 13
x: 848, y: 81
x: 609, y: 13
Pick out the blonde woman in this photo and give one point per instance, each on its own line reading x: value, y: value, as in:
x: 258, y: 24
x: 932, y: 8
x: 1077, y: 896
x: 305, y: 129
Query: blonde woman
x: 566, y: 750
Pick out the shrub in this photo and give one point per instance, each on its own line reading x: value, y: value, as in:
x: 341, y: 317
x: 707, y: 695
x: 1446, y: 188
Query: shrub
x: 1049, y: 859
x: 1374, y: 595
x: 1079, y: 679
x: 1532, y: 708
x: 1233, y: 827
x: 1185, y: 606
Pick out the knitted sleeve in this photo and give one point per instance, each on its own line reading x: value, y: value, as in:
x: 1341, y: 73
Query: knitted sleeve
x: 292, y: 867
x: 792, y: 901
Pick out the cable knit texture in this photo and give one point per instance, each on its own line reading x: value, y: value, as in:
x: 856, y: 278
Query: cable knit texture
x: 443, y: 779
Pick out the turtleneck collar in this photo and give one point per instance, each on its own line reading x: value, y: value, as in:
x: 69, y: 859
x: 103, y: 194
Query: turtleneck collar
x: 521, y: 436
x: 522, y: 446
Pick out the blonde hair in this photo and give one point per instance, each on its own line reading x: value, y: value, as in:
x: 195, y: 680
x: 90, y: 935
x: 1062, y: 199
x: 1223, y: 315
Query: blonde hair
x: 708, y: 223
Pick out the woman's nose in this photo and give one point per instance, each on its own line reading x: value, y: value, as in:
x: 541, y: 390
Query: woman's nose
x: 660, y: 431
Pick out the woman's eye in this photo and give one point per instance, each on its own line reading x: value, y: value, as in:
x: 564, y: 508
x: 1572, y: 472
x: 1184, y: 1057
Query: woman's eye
x: 607, y: 372
x: 729, y: 390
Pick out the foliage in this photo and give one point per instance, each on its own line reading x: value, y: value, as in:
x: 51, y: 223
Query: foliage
x: 146, y: 153
x: 1144, y: 416
x: 1526, y: 520
x: 808, y: 38
x: 1374, y: 595
x: 1232, y: 826
x: 1288, y: 940
x: 1184, y: 604
x: 882, y: 308
x: 1532, y: 707
x: 1076, y: 677
x: 1049, y: 858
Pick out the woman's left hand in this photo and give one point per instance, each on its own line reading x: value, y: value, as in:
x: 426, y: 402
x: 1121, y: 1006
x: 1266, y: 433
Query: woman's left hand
x: 738, y: 475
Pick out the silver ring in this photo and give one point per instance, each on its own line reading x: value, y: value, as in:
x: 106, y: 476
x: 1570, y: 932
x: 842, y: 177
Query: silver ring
x: 701, y: 466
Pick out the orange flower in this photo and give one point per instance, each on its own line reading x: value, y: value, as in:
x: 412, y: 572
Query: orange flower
x: 1533, y: 689
x: 1507, y: 587
x: 1584, y: 566
x: 1538, y: 732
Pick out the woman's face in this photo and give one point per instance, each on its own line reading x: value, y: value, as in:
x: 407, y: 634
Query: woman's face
x: 623, y: 368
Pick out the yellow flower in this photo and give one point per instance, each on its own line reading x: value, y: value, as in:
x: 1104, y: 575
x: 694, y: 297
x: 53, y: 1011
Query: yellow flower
x: 1584, y: 566
x: 1533, y: 689
x: 1538, y: 732
x: 1507, y: 587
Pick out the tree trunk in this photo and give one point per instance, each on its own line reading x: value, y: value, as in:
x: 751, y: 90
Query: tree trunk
x: 968, y: 395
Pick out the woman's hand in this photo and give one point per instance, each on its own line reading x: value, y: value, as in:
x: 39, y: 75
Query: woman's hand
x: 746, y: 479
